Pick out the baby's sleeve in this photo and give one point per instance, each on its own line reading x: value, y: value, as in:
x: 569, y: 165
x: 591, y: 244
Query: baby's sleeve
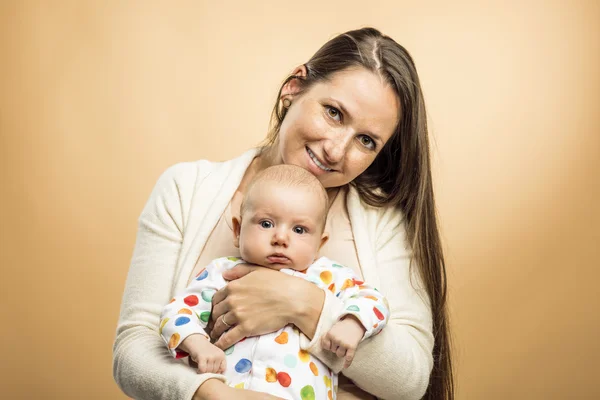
x: 188, y: 312
x: 360, y: 299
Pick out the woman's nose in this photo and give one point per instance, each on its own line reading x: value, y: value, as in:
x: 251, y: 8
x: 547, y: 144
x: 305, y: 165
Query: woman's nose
x: 335, y: 148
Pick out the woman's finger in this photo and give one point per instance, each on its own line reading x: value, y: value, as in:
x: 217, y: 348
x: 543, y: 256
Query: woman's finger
x: 349, y: 358
x: 221, y: 327
x: 326, y: 343
x: 220, y: 295
x: 238, y: 271
x: 230, y: 337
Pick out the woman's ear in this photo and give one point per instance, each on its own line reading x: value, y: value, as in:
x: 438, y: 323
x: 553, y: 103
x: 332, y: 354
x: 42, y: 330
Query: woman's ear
x: 293, y: 86
x: 237, y: 227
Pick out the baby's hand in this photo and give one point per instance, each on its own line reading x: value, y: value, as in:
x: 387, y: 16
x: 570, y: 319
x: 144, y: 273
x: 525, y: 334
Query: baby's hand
x: 343, y: 338
x: 208, y: 356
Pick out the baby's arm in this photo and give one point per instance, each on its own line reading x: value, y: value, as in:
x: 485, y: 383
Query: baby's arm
x: 184, y: 319
x: 365, y: 312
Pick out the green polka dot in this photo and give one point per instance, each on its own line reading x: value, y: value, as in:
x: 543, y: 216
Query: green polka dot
x: 207, y: 295
x: 229, y: 350
x: 337, y: 266
x: 307, y: 393
x: 290, y: 361
x: 353, y: 308
x: 233, y: 258
x: 205, y: 316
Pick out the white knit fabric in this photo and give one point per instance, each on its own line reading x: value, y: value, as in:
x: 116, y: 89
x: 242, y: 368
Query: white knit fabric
x: 184, y: 206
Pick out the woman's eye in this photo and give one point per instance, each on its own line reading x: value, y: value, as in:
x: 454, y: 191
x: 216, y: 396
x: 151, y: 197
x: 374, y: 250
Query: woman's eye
x: 299, y: 230
x: 266, y: 224
x: 367, y: 142
x: 334, y: 113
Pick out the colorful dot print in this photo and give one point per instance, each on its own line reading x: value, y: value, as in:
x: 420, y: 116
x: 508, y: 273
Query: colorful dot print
x: 348, y: 283
x: 327, y: 381
x: 229, y: 350
x: 284, y: 379
x: 185, y: 311
x: 244, y: 365
x: 239, y: 385
x: 337, y: 266
x: 329, y: 395
x: 174, y: 341
x: 303, y: 356
x: 378, y: 313
x: 307, y: 393
x: 202, y: 275
x: 191, y: 300
x: 233, y: 258
x: 207, y: 295
x: 326, y: 277
x: 353, y: 308
x: 271, y: 375
x: 162, y: 325
x: 372, y: 298
x: 181, y: 321
x: 314, y: 369
x: 332, y: 288
x: 282, y: 338
x: 180, y: 354
x: 290, y: 361
x: 205, y: 316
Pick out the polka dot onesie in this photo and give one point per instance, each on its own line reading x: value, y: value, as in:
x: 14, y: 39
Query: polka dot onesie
x: 274, y: 363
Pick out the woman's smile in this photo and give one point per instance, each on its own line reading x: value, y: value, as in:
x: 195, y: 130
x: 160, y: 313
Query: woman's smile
x: 321, y: 165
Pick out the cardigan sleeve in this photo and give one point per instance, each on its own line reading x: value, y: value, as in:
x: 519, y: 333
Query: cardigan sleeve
x: 395, y: 364
x: 142, y: 365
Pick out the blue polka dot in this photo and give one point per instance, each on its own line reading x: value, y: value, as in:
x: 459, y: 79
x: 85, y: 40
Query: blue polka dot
x: 181, y: 321
x: 244, y: 365
x: 290, y: 361
x: 203, y: 275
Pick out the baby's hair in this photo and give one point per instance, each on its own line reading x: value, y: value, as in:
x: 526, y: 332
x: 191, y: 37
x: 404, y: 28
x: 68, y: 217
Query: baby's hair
x: 291, y: 176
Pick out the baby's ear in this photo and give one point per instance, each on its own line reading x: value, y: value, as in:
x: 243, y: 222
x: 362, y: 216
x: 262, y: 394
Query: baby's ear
x: 237, y: 227
x: 324, y: 239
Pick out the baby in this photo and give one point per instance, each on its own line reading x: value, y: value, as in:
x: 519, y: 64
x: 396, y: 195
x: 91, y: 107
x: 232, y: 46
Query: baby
x: 281, y: 226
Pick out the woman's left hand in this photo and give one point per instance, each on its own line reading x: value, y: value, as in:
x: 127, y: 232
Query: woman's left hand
x: 259, y: 300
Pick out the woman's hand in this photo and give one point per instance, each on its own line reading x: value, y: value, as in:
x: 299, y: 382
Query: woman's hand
x: 214, y: 389
x: 259, y: 300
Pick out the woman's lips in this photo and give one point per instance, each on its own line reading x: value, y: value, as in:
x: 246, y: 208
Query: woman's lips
x: 313, y: 167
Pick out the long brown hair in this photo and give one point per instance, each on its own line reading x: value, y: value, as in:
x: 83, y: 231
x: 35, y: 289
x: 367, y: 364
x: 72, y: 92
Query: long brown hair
x: 400, y: 176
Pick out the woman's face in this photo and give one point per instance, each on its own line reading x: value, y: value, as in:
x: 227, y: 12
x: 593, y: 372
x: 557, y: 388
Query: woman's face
x: 336, y: 128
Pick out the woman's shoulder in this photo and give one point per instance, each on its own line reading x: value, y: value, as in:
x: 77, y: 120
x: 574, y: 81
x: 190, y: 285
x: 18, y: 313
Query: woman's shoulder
x: 382, y: 217
x: 190, y: 174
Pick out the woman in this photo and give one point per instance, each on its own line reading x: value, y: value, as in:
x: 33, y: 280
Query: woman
x: 354, y: 116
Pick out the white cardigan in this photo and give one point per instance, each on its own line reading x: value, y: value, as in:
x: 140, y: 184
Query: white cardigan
x: 184, y: 207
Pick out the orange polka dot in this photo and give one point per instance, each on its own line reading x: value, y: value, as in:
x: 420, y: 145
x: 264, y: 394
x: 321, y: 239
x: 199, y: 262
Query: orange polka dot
x: 174, y: 341
x: 271, y: 375
x: 314, y: 369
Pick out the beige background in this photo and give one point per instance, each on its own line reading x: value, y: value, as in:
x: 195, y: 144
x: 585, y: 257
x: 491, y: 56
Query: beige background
x: 98, y: 98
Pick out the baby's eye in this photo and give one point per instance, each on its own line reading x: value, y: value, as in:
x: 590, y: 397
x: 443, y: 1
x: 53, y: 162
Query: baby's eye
x: 299, y: 230
x: 266, y: 224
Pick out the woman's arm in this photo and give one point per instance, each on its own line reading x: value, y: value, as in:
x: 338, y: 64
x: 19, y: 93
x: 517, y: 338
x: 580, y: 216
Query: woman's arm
x: 142, y: 366
x: 395, y: 364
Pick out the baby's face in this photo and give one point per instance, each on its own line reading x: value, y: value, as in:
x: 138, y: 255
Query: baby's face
x: 281, y: 227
